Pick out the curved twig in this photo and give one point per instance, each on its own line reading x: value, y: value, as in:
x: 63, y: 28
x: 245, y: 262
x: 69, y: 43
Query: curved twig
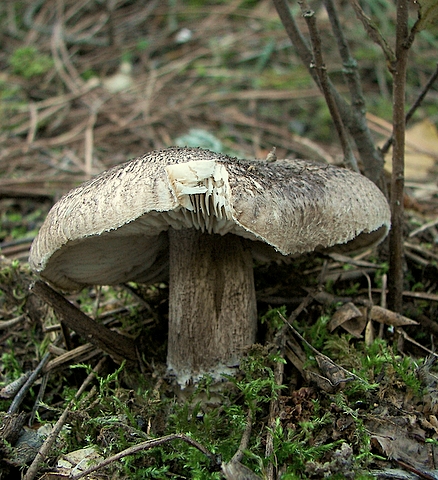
x: 148, y: 444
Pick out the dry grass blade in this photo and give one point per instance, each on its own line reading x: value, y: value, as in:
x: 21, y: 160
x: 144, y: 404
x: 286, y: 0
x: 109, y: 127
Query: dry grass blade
x: 322, y: 357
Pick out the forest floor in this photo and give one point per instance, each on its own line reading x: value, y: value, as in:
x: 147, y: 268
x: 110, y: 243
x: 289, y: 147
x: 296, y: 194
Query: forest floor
x: 338, y: 386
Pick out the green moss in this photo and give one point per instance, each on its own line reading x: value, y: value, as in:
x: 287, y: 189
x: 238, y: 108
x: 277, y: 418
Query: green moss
x: 28, y: 62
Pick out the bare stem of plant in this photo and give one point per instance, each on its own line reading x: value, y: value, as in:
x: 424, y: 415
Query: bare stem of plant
x: 353, y: 116
x: 274, y: 412
x: 244, y: 441
x: 28, y: 384
x: 321, y: 72
x: 349, y: 64
x: 398, y: 67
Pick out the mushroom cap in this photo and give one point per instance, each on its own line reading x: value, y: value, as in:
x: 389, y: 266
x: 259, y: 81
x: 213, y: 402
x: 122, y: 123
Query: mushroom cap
x: 112, y: 229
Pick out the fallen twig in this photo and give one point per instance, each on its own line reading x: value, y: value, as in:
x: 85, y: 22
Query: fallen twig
x: 29, y: 382
x: 115, y: 344
x: 44, y: 450
x: 321, y: 355
x: 234, y: 469
x: 146, y: 446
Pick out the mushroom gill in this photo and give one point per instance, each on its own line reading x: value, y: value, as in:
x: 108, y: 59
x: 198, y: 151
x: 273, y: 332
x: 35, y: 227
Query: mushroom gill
x: 203, y: 192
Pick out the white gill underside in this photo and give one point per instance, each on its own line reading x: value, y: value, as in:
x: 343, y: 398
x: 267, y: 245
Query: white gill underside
x: 203, y: 192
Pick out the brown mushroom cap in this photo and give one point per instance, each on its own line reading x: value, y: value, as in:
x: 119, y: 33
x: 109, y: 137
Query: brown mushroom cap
x: 112, y: 229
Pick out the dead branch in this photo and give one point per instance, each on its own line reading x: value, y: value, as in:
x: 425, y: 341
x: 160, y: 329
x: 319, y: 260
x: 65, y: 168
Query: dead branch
x: 118, y: 346
x: 28, y: 384
x: 373, y: 32
x: 413, y: 108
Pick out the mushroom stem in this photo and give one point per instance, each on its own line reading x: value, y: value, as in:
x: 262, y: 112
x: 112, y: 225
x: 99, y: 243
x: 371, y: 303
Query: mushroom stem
x: 212, y: 304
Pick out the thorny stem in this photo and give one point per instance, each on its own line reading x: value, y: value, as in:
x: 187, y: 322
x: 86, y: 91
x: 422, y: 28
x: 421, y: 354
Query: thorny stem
x: 396, y: 255
x: 321, y: 71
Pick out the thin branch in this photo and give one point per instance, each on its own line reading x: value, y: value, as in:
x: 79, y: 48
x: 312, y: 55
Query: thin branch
x: 117, y: 345
x: 234, y: 469
x: 244, y: 441
x: 318, y: 353
x: 414, y: 108
x: 321, y: 71
x: 48, y: 442
x: 349, y: 64
x: 274, y: 410
x: 417, y: 27
x: 298, y: 41
x: 373, y: 32
x: 26, y: 387
x: 354, y: 120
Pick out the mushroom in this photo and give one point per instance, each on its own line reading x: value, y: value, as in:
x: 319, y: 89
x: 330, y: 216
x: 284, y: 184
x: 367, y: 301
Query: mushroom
x: 198, y: 218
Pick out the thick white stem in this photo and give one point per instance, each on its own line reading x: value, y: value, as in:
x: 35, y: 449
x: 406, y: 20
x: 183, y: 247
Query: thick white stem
x: 212, y: 305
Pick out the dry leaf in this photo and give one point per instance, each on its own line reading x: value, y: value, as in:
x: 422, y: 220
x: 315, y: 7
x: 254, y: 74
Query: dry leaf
x: 429, y: 381
x: 75, y: 462
x: 234, y: 470
x: 401, y: 439
x: 421, y: 151
x: 431, y: 424
x: 350, y: 318
x: 387, y: 317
